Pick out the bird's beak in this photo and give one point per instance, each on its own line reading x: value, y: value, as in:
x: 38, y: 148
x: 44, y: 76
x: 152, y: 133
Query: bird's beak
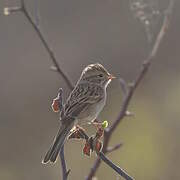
x: 111, y: 77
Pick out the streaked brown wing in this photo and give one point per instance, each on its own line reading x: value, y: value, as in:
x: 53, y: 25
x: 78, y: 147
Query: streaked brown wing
x: 82, y: 96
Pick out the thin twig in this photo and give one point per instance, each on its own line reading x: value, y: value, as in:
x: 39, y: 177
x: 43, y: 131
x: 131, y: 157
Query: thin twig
x: 91, y: 142
x: 65, y: 172
x: 36, y: 14
x: 45, y: 43
x: 113, y: 166
x: 24, y: 10
x: 145, y: 66
x: 114, y: 148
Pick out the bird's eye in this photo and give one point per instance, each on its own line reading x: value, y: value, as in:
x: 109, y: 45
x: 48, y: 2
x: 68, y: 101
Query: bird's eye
x: 100, y: 75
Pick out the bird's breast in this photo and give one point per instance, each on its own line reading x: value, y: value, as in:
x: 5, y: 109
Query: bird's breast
x: 92, y: 111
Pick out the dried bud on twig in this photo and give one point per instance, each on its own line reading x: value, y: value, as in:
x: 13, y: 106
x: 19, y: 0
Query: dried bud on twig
x: 57, y: 104
x: 92, y: 143
x: 9, y: 10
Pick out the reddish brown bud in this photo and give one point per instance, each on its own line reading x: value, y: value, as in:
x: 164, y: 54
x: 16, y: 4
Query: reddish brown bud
x: 99, y: 133
x: 55, y: 105
x: 98, y: 146
x: 87, y: 149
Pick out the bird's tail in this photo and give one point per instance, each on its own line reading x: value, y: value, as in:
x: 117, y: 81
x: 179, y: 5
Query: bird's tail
x: 53, y: 151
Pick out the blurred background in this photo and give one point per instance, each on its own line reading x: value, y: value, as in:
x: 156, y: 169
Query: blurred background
x: 83, y: 32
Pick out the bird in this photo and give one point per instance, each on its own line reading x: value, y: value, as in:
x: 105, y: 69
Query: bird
x: 84, y: 104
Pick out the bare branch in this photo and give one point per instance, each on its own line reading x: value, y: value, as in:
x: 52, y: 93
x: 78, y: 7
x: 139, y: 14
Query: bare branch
x: 45, y: 44
x: 65, y: 172
x: 35, y: 26
x: 145, y: 66
x: 36, y: 14
x: 113, y: 166
x: 114, y: 148
x: 92, y: 144
x: 124, y: 86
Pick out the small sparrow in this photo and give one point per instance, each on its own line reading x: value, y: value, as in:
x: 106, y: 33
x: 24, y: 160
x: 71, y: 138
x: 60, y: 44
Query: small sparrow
x: 84, y: 103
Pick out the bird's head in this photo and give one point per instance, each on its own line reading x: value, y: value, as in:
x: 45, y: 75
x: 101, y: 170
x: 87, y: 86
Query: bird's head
x: 96, y: 73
